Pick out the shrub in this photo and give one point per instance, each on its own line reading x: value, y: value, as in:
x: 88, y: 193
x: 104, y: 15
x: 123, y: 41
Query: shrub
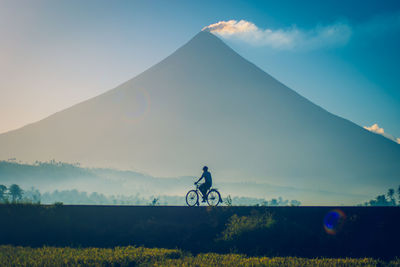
x: 238, y: 226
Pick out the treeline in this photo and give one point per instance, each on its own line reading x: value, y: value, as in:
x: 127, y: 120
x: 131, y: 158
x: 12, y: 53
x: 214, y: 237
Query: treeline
x: 386, y: 200
x: 76, y: 197
x: 15, y: 194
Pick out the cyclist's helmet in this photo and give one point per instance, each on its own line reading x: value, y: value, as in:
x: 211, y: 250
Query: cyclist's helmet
x: 205, y: 168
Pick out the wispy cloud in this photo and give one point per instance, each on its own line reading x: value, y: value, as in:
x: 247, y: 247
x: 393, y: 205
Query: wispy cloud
x: 285, y: 39
x: 375, y: 129
x: 320, y: 36
x: 378, y: 130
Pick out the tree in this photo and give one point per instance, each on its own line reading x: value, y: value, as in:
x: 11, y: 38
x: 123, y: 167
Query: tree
x: 3, y: 190
x: 32, y: 195
x: 295, y: 203
x: 398, y: 193
x: 379, y: 201
x: 274, y: 202
x: 15, y: 192
x: 390, y: 195
x: 155, y: 202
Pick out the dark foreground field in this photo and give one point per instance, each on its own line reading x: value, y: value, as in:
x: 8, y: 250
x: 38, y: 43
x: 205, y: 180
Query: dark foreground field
x: 270, y: 231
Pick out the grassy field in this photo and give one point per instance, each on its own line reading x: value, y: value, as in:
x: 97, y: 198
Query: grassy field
x: 139, y: 256
x: 366, y: 232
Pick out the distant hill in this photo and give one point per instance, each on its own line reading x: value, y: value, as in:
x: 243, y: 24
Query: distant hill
x: 49, y: 176
x: 205, y: 104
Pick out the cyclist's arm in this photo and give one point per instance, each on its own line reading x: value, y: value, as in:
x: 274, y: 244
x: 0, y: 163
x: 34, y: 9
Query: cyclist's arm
x: 202, y: 176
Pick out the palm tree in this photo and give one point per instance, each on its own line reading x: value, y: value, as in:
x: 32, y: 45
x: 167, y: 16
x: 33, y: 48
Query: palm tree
x: 15, y: 192
x: 390, y: 195
x: 382, y: 201
x: 398, y: 193
x: 3, y: 190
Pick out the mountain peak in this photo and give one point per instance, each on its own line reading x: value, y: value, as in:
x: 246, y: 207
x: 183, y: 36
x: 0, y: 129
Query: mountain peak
x: 205, y: 36
x: 206, y: 42
x: 206, y: 55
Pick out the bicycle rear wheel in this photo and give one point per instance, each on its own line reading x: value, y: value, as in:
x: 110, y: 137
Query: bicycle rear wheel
x: 192, y: 198
x: 213, y: 198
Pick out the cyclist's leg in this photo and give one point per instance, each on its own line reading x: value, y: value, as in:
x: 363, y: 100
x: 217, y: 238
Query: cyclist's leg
x: 203, y: 190
x: 207, y: 187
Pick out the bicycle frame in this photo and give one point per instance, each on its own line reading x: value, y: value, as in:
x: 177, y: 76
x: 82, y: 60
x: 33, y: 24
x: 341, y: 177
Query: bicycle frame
x: 200, y: 193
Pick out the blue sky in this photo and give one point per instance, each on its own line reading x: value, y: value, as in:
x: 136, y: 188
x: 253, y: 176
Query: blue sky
x: 54, y: 54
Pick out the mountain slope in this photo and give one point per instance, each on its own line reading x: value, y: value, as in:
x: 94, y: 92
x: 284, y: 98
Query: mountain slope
x: 205, y: 104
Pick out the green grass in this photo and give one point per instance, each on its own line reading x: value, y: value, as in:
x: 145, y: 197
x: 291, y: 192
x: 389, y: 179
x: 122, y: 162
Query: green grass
x: 139, y: 256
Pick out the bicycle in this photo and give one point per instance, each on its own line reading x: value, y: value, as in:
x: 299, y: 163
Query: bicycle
x: 213, y: 197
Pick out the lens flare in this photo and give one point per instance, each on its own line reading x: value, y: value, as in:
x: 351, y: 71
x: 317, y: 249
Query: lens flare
x: 334, y: 221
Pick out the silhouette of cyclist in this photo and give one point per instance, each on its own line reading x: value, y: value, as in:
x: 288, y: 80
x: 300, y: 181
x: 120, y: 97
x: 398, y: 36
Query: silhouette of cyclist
x: 207, y: 184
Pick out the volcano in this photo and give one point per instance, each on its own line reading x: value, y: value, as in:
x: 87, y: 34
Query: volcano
x: 207, y: 105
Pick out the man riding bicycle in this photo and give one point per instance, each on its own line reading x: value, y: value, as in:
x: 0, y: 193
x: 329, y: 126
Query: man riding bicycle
x: 207, y: 184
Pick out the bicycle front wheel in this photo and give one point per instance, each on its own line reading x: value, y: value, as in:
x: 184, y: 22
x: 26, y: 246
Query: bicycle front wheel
x: 213, y: 197
x: 192, y: 198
